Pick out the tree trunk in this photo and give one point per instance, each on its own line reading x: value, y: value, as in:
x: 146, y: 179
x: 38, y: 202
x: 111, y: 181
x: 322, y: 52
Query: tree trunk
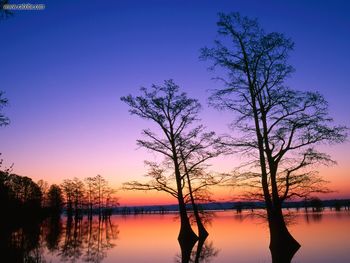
x: 186, y: 249
x: 186, y: 233
x: 283, y: 246
x: 202, y: 232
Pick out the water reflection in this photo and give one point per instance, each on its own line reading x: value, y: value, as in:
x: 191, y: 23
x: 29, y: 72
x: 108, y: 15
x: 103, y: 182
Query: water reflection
x: 52, y: 229
x: 313, y: 217
x: 73, y: 240
x: 21, y: 245
x: 203, y: 252
x: 152, y: 239
x: 282, y: 246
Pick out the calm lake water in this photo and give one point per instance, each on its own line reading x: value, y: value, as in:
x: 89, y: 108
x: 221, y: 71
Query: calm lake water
x: 325, y: 238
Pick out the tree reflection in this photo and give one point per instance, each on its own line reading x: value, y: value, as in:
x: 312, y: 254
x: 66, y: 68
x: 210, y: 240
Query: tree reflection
x: 99, y: 239
x: 72, y: 246
x: 53, y: 233
x: 21, y: 244
x: 203, y: 253
x: 283, y: 253
x: 71, y: 241
x: 313, y: 217
x: 88, y: 240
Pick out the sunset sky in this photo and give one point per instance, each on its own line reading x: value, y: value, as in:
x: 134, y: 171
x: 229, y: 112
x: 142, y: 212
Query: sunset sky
x: 65, y: 68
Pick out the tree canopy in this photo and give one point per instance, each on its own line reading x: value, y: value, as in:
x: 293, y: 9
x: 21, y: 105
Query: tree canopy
x: 276, y: 127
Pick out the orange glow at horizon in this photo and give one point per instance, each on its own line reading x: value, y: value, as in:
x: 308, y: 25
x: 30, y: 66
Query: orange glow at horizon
x: 126, y: 170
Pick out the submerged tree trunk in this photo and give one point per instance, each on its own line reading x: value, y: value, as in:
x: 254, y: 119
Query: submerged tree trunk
x: 202, y: 232
x: 283, y: 246
x: 186, y: 250
x: 186, y: 233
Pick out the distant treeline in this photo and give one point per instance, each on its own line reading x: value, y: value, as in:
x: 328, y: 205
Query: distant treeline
x: 21, y: 197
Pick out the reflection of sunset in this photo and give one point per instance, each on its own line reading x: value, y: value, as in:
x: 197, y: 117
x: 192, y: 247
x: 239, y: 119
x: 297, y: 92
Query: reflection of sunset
x: 240, y: 237
x: 152, y: 238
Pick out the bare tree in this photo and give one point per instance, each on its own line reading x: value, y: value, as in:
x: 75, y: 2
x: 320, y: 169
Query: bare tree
x: 194, y: 147
x: 173, y: 112
x: 100, y: 185
x: 44, y: 187
x: 55, y: 199
x: 90, y: 195
x: 74, y: 194
x: 276, y: 126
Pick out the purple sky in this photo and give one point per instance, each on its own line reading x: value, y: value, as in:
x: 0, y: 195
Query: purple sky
x: 65, y: 68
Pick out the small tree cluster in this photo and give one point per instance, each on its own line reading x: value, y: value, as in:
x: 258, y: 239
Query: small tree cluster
x: 92, y: 195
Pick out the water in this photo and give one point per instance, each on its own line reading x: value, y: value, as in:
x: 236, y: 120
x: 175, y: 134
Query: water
x: 243, y: 238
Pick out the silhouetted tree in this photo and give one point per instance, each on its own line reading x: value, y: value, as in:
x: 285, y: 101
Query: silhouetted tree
x: 78, y: 196
x: 172, y: 112
x: 4, y: 189
x: 276, y: 126
x: 192, y: 148
x: 55, y: 199
x: 338, y: 205
x: 90, y: 194
x: 195, y: 187
x: 44, y: 187
x: 100, y: 185
x: 100, y: 196
x: 95, y: 193
x: 19, y: 196
x: 68, y: 191
x: 316, y: 204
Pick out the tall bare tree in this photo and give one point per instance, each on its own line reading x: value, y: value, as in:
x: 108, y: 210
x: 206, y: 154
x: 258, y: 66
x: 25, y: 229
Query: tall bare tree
x: 100, y: 185
x: 174, y: 113
x: 276, y: 126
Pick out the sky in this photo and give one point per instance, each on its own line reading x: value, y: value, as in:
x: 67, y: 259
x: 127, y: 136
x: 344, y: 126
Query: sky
x: 64, y: 69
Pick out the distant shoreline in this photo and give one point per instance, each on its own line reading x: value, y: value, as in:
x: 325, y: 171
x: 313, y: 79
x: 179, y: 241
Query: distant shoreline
x: 315, y: 205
